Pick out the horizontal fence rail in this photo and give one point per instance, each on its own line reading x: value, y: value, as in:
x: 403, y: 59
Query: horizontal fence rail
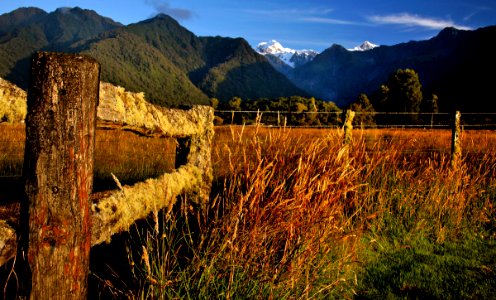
x: 59, y: 221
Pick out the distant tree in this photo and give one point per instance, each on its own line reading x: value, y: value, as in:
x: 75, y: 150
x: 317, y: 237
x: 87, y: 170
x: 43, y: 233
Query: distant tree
x: 214, y: 102
x: 402, y: 92
x: 279, y: 104
x: 332, y: 114
x: 298, y: 109
x: 381, y: 97
x: 430, y: 104
x: 365, y: 111
x: 234, y: 104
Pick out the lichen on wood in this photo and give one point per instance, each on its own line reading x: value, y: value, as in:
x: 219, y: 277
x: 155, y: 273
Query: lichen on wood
x: 121, y: 109
x: 118, y: 211
x: 58, y: 174
x: 456, y: 149
x: 348, y: 127
x: 8, y: 242
x: 132, y: 111
x: 193, y: 176
x: 122, y: 208
x: 13, y: 107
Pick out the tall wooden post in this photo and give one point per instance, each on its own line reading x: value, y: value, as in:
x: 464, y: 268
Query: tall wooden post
x: 456, y: 150
x: 58, y: 172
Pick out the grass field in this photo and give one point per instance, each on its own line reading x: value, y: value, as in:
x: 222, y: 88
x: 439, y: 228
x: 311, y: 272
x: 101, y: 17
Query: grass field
x: 294, y: 214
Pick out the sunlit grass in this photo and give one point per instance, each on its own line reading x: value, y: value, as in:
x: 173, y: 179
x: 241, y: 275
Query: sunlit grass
x: 294, y: 214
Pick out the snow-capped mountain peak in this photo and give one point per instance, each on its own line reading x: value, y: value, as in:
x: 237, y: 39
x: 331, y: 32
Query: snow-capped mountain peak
x: 365, y: 46
x: 273, y: 47
x: 289, y: 56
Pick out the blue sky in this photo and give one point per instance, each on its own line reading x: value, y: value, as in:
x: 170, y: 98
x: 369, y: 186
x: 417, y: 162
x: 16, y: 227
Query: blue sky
x: 311, y: 24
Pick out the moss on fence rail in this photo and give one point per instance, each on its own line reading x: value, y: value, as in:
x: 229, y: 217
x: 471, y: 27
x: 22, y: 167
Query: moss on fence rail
x: 13, y: 107
x: 125, y: 110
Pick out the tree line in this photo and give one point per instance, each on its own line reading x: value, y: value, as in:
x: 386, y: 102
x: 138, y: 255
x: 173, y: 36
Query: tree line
x: 402, y: 92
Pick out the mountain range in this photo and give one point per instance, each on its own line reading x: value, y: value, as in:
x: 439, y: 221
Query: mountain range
x: 279, y: 55
x: 365, y: 46
x: 456, y: 65
x: 287, y: 57
x: 174, y: 67
x: 158, y: 56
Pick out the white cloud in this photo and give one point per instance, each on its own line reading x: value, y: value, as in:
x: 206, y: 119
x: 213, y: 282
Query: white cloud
x: 415, y: 21
x: 327, y: 21
x: 292, y: 12
x: 312, y: 15
x: 163, y: 6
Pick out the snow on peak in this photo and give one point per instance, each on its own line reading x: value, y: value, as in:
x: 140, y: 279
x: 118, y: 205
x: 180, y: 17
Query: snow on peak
x: 273, y: 47
x: 365, y: 46
x: 287, y: 55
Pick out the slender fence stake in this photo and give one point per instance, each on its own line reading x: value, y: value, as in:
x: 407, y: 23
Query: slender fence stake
x: 348, y: 127
x: 58, y: 172
x: 456, y: 150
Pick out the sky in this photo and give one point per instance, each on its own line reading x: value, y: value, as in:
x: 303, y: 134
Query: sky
x: 297, y: 24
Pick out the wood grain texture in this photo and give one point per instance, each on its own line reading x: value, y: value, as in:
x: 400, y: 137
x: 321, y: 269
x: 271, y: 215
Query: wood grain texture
x: 58, y: 170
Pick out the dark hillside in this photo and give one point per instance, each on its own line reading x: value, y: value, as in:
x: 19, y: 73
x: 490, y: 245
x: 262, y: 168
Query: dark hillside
x: 235, y: 69
x: 158, y: 56
x: 32, y: 29
x: 456, y: 65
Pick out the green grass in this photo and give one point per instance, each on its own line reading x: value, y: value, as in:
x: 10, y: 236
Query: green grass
x: 423, y: 269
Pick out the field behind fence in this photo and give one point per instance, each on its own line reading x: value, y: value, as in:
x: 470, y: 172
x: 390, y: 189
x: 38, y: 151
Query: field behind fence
x: 269, y: 211
x: 335, y: 119
x: 409, y: 162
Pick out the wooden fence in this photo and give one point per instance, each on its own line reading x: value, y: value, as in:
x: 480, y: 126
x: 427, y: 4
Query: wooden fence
x: 59, y: 223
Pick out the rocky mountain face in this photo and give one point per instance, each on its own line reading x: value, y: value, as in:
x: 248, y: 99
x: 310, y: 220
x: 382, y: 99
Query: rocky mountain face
x: 365, y: 46
x: 171, y: 65
x: 292, y: 58
x: 284, y: 59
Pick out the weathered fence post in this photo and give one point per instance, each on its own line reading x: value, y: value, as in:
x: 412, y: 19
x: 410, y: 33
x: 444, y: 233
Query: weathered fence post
x: 196, y: 150
x: 456, y: 151
x: 58, y: 172
x: 348, y: 127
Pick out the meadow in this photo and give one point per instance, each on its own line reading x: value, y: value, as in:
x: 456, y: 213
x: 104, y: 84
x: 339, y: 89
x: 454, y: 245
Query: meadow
x: 295, y: 214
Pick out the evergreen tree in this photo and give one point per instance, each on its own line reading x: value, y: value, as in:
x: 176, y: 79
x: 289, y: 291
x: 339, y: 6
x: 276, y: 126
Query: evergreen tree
x: 404, y: 91
x: 430, y: 105
x: 333, y: 113
x: 214, y: 102
x: 234, y: 104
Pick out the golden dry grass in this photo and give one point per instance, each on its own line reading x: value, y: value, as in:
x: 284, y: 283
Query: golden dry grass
x: 292, y: 208
x: 128, y: 156
x: 293, y: 212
